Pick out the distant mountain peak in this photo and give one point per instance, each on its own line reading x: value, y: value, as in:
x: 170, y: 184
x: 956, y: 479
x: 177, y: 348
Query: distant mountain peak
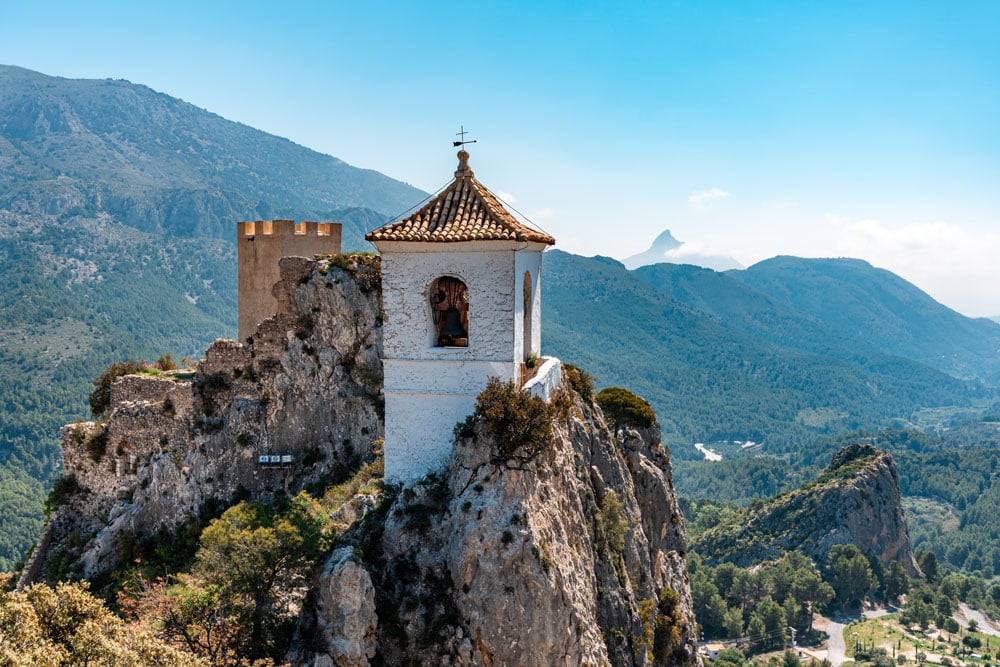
x: 666, y: 248
x: 665, y: 241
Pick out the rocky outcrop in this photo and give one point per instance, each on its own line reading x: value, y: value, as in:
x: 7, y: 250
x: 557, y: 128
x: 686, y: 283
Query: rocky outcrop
x: 854, y: 501
x: 345, y: 600
x: 306, y: 386
x: 573, y: 555
x: 496, y: 563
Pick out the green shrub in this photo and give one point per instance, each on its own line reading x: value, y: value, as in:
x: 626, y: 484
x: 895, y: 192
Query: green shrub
x: 166, y: 363
x: 79, y: 432
x: 624, y: 409
x: 668, y: 632
x: 519, y: 423
x: 580, y: 381
x: 611, y: 523
x: 62, y: 490
x: 100, y: 398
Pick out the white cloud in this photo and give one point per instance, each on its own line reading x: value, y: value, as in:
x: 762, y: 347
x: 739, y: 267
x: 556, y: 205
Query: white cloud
x: 543, y: 214
x: 702, y: 254
x: 955, y: 264
x: 507, y: 197
x: 692, y: 249
x: 702, y: 199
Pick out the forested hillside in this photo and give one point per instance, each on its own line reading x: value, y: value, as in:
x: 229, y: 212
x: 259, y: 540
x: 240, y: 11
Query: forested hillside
x: 711, y: 376
x: 948, y: 482
x: 844, y: 308
x: 117, y: 212
x: 859, y: 302
x: 117, y: 206
x: 162, y: 165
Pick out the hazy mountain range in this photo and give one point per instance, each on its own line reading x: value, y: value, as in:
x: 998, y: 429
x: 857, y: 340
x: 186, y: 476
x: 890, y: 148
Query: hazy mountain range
x: 722, y: 359
x: 117, y: 206
x: 666, y: 248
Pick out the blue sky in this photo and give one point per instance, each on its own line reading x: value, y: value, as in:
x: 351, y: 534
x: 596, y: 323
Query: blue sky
x: 748, y: 128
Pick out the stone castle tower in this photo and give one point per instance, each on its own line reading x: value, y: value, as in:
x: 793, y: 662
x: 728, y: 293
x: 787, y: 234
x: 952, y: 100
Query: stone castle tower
x: 461, y: 290
x: 259, y: 246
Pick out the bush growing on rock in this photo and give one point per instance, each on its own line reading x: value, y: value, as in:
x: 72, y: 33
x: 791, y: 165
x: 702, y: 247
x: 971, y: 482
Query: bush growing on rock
x: 580, y: 381
x: 624, y: 409
x: 669, y: 629
x: 519, y: 423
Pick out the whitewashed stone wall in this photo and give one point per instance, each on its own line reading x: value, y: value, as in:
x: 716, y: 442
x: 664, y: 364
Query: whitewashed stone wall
x: 530, y: 262
x: 418, y: 431
x: 407, y: 324
x: 546, y: 380
x: 428, y: 389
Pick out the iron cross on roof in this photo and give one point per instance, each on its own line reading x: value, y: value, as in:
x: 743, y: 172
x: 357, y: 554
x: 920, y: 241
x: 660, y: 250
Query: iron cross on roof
x: 463, y: 141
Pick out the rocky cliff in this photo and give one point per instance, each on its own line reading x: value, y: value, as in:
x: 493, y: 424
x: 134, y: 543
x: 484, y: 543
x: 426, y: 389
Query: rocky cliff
x: 174, y: 450
x: 572, y: 555
x: 854, y: 501
x: 569, y: 558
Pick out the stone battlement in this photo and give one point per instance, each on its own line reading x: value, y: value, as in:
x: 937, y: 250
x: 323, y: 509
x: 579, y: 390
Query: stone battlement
x: 260, y: 245
x: 284, y: 228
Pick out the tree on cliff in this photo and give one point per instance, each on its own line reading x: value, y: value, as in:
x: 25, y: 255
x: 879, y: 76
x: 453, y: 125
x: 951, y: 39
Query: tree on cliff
x: 624, y: 409
x: 237, y: 604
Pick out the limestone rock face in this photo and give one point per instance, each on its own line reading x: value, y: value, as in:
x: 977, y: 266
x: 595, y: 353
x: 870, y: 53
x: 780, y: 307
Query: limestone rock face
x: 564, y: 559
x: 488, y: 563
x: 855, y: 501
x: 345, y: 601
x: 306, y: 385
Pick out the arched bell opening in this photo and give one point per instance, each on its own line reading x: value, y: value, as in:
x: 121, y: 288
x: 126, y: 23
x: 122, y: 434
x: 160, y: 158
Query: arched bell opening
x: 526, y: 323
x: 450, y: 312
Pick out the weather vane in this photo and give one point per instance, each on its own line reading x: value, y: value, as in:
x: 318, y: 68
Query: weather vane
x: 462, y: 134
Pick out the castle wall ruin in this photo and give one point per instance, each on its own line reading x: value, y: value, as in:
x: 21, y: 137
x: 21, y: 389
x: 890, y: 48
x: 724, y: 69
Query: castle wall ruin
x: 260, y: 245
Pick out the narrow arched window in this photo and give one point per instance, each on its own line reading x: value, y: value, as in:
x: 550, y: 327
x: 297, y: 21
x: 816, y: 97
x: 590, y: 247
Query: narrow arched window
x: 450, y: 309
x: 526, y: 323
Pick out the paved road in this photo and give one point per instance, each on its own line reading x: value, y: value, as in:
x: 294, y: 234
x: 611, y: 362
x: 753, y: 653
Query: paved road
x: 836, y: 651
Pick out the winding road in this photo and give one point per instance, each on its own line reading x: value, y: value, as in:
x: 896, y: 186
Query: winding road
x: 836, y: 651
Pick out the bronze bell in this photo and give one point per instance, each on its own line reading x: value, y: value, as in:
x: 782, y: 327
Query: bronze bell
x: 452, y: 326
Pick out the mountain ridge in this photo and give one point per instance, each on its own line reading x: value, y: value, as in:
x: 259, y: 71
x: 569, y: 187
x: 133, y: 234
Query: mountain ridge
x: 665, y: 248
x: 711, y: 380
x: 179, y: 168
x: 899, y: 318
x: 791, y: 306
x: 117, y: 212
x: 104, y: 262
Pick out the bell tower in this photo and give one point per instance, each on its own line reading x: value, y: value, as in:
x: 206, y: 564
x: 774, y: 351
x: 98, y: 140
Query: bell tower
x: 461, y: 294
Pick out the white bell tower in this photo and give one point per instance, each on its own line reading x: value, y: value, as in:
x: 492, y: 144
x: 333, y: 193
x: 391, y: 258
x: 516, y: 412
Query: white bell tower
x: 461, y: 293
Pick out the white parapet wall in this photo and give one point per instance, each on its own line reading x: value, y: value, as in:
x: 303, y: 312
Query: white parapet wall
x: 548, y: 377
x: 419, y: 424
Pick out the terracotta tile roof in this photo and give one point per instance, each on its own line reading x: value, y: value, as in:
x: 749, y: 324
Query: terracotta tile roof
x: 463, y: 211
